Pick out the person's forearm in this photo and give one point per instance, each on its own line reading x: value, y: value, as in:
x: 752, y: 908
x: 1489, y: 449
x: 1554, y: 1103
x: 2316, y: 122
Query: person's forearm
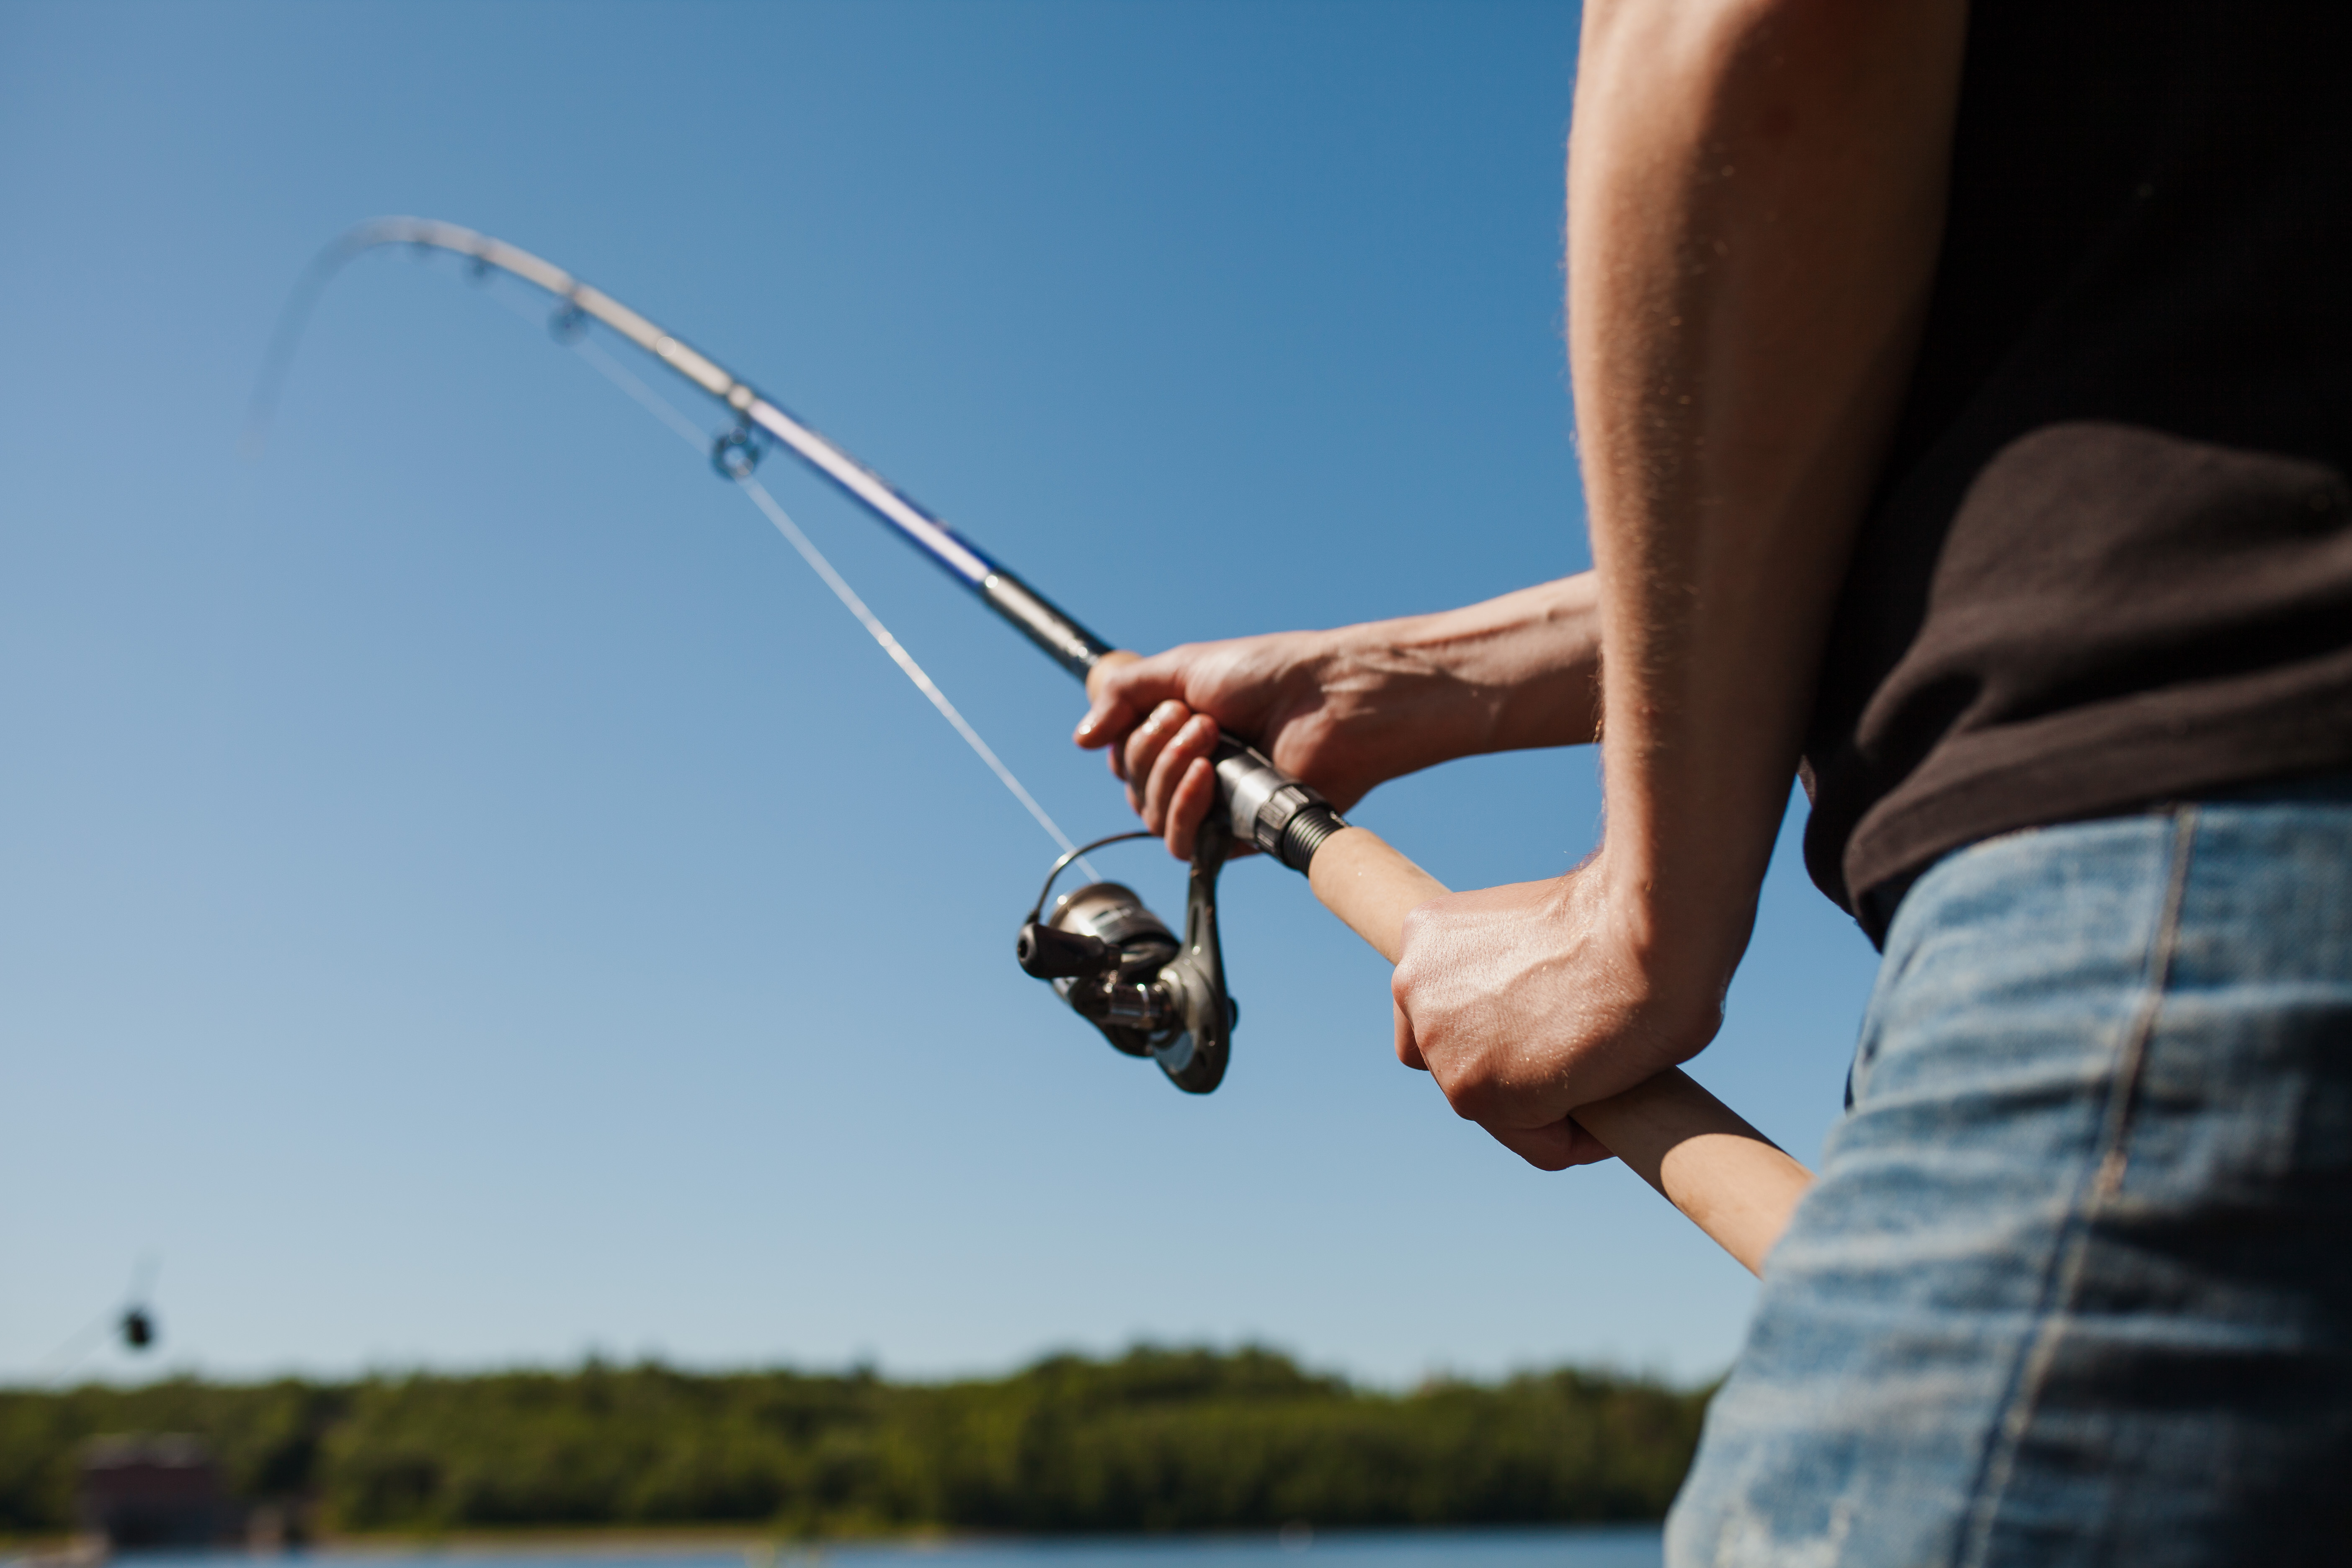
x: 1348, y: 709
x: 1755, y: 203
x: 1516, y: 671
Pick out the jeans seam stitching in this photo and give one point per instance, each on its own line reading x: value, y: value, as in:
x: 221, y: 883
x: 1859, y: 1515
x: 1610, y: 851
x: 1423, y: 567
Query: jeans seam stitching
x: 2104, y: 1180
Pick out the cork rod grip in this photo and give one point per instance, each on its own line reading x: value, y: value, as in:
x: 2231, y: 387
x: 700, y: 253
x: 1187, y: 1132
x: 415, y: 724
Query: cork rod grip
x: 1732, y: 1182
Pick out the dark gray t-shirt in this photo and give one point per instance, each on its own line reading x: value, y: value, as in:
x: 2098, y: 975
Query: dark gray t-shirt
x: 2110, y: 561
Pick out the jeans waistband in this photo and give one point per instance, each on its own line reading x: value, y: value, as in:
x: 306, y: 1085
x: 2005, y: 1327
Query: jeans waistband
x: 1879, y: 903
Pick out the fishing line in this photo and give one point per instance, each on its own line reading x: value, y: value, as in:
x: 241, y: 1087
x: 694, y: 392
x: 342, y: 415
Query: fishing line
x: 694, y: 435
x: 135, y: 1321
x: 752, y: 487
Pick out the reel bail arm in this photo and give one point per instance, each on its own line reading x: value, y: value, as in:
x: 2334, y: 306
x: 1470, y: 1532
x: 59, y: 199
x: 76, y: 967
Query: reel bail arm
x: 1119, y: 967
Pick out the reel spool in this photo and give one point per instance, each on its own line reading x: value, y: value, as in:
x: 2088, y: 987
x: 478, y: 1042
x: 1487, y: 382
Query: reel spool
x: 1121, y: 969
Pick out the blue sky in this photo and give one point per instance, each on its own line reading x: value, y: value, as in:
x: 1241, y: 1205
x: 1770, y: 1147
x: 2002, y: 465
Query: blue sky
x: 468, y: 895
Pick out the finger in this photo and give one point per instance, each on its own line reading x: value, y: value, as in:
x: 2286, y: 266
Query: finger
x: 1191, y: 741
x: 1589, y: 1150
x: 1121, y: 691
x: 1553, y: 1147
x: 1107, y: 667
x: 1143, y: 748
x: 1408, y: 1051
x: 1104, y: 723
x: 1188, y: 806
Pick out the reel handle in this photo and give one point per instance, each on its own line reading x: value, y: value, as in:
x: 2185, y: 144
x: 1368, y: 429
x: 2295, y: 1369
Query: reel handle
x: 1730, y: 1180
x: 1046, y: 954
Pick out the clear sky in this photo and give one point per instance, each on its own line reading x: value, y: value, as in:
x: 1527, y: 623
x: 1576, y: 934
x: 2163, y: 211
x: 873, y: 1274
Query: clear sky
x: 469, y: 896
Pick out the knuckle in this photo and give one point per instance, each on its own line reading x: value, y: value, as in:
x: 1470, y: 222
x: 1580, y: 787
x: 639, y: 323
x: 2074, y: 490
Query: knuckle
x: 1475, y: 1094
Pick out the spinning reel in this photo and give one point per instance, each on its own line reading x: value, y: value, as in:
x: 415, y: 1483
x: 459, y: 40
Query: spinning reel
x: 1119, y: 967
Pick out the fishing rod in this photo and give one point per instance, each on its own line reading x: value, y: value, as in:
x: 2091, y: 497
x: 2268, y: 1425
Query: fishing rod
x: 1116, y: 964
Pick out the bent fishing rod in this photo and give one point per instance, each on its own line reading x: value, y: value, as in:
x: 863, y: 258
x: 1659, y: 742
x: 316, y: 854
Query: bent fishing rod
x: 1152, y: 994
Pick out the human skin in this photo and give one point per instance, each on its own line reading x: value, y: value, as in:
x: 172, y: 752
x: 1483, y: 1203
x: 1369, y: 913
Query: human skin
x: 1354, y: 707
x: 1755, y: 195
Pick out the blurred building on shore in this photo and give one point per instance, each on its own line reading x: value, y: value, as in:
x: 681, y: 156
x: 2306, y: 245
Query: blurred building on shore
x: 153, y: 1493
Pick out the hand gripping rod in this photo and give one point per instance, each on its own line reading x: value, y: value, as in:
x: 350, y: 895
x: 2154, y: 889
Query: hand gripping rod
x: 1729, y: 1178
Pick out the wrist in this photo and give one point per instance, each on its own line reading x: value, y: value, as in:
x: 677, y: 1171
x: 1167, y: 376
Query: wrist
x: 1682, y: 934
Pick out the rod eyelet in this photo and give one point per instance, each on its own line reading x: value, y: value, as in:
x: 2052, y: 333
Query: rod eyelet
x: 736, y: 454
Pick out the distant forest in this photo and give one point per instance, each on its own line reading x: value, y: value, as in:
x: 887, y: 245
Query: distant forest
x: 1154, y: 1441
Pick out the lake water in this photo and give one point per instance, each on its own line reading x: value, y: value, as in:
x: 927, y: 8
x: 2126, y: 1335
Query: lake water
x: 1637, y: 1547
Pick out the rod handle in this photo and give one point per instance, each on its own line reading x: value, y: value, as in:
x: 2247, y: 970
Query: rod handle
x: 1732, y: 1182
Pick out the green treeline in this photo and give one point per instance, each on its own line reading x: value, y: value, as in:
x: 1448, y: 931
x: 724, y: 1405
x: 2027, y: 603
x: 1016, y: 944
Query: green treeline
x: 1156, y: 1440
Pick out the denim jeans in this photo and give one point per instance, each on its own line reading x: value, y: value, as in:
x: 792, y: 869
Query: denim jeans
x: 2075, y: 1284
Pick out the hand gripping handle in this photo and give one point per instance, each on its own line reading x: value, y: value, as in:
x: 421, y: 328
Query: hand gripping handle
x: 1734, y: 1182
